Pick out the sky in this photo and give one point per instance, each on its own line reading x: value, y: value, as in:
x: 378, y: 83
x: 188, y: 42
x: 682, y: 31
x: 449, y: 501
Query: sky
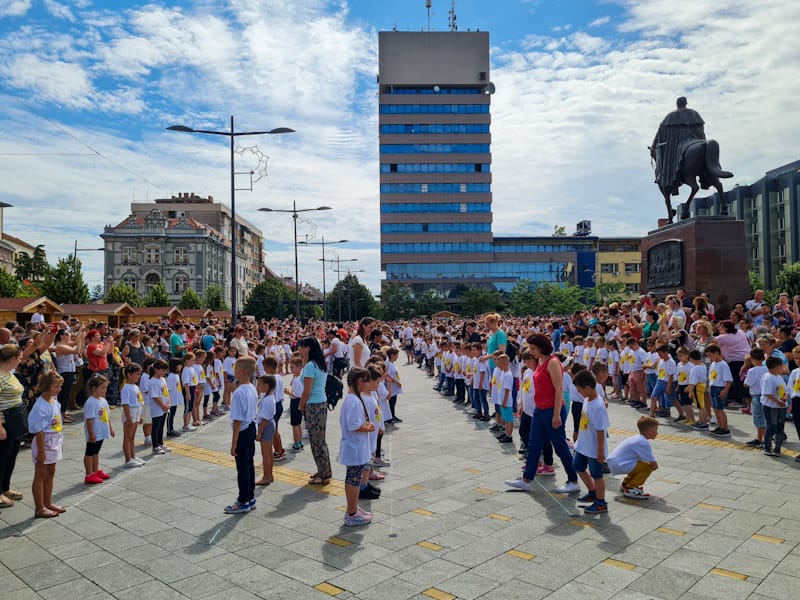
x: 88, y: 89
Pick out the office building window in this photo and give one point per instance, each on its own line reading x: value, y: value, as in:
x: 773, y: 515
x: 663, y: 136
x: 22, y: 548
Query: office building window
x: 436, y: 207
x: 609, y: 268
x: 435, y: 128
x: 433, y: 90
x: 435, y: 227
x: 436, y: 247
x: 434, y: 148
x: 129, y: 256
x: 631, y: 268
x: 433, y: 109
x: 181, y: 256
x: 436, y: 168
x: 435, y: 188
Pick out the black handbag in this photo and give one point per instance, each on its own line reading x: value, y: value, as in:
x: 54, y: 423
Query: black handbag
x: 16, y: 421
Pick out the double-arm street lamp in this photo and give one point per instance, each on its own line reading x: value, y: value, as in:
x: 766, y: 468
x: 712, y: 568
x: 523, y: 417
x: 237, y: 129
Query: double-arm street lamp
x: 294, y: 212
x: 349, y: 271
x: 324, y: 260
x: 232, y: 135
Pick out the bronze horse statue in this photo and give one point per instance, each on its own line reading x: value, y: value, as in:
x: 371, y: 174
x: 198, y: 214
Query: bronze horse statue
x: 699, y: 160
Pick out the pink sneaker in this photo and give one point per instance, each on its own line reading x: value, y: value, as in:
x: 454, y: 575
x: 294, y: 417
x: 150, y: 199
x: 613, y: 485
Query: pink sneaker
x: 546, y: 471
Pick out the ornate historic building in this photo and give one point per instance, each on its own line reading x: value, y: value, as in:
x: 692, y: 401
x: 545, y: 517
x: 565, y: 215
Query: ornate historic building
x: 179, y: 252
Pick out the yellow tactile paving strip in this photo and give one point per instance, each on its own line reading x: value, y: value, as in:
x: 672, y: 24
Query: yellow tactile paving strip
x: 282, y: 474
x: 700, y: 440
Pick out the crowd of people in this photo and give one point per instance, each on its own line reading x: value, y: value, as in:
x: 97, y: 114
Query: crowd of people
x: 530, y: 379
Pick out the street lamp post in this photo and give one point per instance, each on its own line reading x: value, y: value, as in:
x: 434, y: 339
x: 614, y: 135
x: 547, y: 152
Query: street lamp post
x: 324, y: 292
x: 339, y: 279
x: 232, y: 135
x: 294, y: 212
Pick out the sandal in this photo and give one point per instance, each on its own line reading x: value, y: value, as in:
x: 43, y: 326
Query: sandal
x: 6, y: 503
x: 45, y: 513
x: 319, y: 481
x: 13, y: 495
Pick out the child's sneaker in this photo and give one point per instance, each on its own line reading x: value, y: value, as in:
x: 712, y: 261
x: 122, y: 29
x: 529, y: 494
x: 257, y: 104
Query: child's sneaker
x: 133, y: 463
x: 148, y: 441
x: 598, y: 506
x: 636, y: 493
x: 297, y: 447
x: 700, y: 426
x: 381, y: 462
x: 570, y: 487
x: 357, y: 519
x: 159, y: 451
x: 102, y: 474
x: 188, y: 428
x: 280, y: 455
x: 92, y: 479
x: 590, y: 497
x: 236, y: 508
x: 519, y: 484
x: 165, y: 448
x: 547, y: 471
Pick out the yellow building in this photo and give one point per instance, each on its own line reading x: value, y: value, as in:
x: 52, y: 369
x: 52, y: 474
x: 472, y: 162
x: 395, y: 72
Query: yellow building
x: 619, y: 260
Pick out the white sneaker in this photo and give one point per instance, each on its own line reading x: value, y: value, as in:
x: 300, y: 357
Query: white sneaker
x: 132, y: 464
x: 519, y: 484
x: 159, y: 451
x: 148, y: 440
x: 165, y: 449
x: 139, y: 460
x: 188, y: 428
x: 571, y: 487
x: 380, y: 462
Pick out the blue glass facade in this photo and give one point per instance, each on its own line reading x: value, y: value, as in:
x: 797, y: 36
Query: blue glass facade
x: 434, y: 109
x: 436, y: 227
x: 434, y: 148
x: 436, y: 128
x: 436, y: 168
x: 434, y: 188
x: 436, y: 207
x: 413, y: 247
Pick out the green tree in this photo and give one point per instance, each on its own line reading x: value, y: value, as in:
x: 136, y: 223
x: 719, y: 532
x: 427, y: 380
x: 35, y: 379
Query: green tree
x: 756, y: 283
x: 64, y: 283
x: 607, y: 293
x: 214, y: 298
x: 122, y: 293
x: 559, y: 231
x: 32, y: 268
x: 788, y: 279
x: 96, y: 293
x: 430, y: 302
x: 355, y: 299
x: 396, y: 301
x: 189, y: 299
x: 476, y: 301
x: 264, y: 302
x: 157, y: 296
x: 9, y: 285
x: 522, y: 298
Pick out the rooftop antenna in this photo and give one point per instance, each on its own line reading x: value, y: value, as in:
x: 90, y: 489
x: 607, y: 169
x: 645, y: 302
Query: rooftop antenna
x: 428, y: 6
x: 451, y: 19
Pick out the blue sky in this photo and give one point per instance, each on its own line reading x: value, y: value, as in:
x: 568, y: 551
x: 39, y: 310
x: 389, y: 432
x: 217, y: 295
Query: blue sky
x: 88, y: 88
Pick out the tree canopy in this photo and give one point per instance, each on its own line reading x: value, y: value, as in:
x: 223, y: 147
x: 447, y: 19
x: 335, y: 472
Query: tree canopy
x: 189, y: 299
x: 351, y: 300
x: 157, y: 296
x: 214, y: 298
x: 122, y: 293
x: 64, y: 283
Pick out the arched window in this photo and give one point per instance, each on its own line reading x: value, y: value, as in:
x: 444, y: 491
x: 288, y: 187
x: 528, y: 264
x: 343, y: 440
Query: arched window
x: 151, y: 280
x: 181, y: 283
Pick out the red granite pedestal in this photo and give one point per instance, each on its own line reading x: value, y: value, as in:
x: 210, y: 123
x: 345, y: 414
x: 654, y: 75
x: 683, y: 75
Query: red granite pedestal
x: 702, y: 254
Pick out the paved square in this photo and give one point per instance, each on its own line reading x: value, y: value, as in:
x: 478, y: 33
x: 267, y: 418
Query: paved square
x: 722, y: 523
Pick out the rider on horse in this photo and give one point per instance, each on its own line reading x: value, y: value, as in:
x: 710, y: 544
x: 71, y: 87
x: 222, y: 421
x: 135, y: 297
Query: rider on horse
x: 678, y: 127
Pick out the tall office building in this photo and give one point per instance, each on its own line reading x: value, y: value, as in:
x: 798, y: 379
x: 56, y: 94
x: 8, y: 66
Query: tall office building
x: 435, y: 159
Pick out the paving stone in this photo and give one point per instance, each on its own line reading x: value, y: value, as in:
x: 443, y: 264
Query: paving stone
x: 45, y: 575
x: 778, y: 585
x: 364, y: 577
x: 663, y: 582
x: 120, y: 577
x: 722, y: 588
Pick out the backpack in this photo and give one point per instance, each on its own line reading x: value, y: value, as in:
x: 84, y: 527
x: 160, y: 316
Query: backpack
x: 334, y: 389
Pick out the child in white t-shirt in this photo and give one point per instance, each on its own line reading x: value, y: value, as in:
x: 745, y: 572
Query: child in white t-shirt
x: 634, y: 457
x: 354, y: 448
x: 773, y: 399
x: 265, y: 424
x: 591, y: 447
x: 132, y: 401
x: 45, y: 424
x: 97, y: 426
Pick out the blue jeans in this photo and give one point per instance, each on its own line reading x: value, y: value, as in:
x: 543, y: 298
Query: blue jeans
x: 481, y: 403
x: 541, y: 431
x: 440, y: 384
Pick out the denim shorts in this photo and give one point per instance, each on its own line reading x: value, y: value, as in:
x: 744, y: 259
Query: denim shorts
x: 757, y: 410
x: 581, y: 462
x: 717, y: 403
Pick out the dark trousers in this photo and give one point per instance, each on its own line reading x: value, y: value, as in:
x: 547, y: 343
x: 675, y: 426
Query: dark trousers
x: 796, y: 415
x: 542, y: 431
x: 66, y: 390
x: 460, y: 390
x: 245, y: 467
x: 157, y: 434
x: 171, y: 418
x: 776, y: 417
x: 392, y: 404
x: 8, y: 459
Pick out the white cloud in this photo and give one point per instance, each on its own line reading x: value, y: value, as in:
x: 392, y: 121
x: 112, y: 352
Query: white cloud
x: 600, y: 21
x: 59, y: 10
x: 14, y: 8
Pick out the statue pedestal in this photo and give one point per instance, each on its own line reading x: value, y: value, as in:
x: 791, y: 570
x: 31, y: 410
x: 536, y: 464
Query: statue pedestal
x: 701, y: 254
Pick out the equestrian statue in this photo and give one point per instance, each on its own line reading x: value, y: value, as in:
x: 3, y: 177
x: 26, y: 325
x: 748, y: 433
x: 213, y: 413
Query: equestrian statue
x: 681, y: 154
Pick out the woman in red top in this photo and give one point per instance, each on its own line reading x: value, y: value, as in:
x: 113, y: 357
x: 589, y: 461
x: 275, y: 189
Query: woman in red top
x: 548, y: 417
x: 96, y: 362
